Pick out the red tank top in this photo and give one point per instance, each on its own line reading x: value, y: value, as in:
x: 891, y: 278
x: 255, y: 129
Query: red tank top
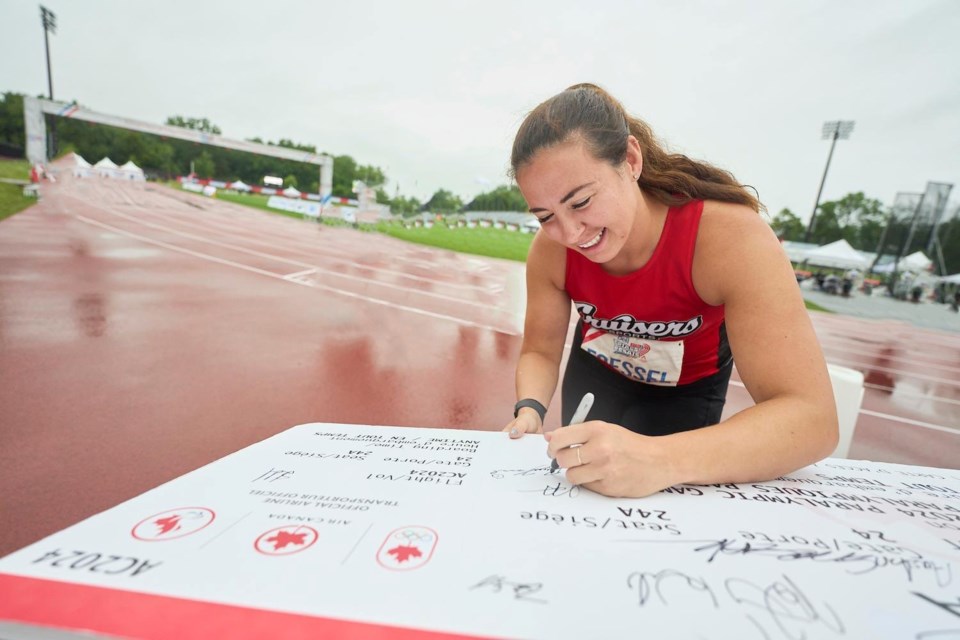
x: 633, y: 323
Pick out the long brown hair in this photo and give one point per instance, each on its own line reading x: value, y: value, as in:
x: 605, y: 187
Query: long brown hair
x: 589, y: 112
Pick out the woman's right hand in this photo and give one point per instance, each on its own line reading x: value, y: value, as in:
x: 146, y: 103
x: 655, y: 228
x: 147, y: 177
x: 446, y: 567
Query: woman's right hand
x: 527, y: 421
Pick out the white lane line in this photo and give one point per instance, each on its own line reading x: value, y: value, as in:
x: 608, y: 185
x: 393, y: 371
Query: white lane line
x: 280, y: 277
x: 268, y: 225
x: 301, y: 245
x: 889, y: 328
x: 420, y: 311
x: 569, y: 345
x: 297, y: 263
x: 287, y: 241
x: 916, y: 423
x: 909, y: 394
x: 914, y: 357
x: 900, y: 372
x: 161, y: 243
x: 887, y: 416
x: 885, y: 389
x: 298, y: 274
x: 933, y: 358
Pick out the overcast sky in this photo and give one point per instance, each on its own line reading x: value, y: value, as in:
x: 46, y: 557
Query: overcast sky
x: 433, y: 92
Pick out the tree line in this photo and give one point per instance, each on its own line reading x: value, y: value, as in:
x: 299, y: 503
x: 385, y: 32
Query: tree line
x: 860, y: 220
x: 865, y: 222
x: 164, y: 158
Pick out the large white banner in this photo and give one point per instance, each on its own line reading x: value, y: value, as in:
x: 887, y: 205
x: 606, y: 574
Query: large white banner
x: 303, y: 207
x: 333, y: 530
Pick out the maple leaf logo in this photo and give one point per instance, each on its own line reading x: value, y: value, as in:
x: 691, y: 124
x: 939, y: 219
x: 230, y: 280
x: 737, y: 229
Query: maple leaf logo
x: 283, y: 538
x: 168, y: 524
x: 404, y: 552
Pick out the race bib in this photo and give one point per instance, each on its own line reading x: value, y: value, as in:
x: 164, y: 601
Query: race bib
x: 656, y: 362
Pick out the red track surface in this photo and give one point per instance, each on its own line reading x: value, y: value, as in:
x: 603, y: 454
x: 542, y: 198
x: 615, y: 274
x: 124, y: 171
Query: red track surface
x: 145, y: 332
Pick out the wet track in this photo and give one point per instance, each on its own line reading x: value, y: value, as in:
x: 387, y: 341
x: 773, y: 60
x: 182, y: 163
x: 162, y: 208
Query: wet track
x: 145, y: 332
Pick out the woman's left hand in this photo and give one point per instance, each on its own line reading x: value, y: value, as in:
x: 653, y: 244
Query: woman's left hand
x: 612, y: 460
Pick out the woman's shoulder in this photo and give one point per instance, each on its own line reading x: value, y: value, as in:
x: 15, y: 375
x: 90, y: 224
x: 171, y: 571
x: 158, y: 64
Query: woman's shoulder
x: 723, y: 222
x: 547, y: 259
x: 713, y: 208
x: 733, y: 240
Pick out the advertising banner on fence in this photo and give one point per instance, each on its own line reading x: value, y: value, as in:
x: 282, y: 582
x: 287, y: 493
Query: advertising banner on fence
x: 302, y: 207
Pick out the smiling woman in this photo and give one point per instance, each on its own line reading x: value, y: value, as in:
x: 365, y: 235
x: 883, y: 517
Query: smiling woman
x: 673, y: 275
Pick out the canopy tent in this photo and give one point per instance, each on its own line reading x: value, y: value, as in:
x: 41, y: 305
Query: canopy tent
x: 131, y: 171
x: 837, y: 255
x: 916, y: 261
x: 76, y: 160
x: 797, y: 251
x: 78, y: 165
x: 290, y: 192
x: 107, y: 167
x: 954, y: 279
x: 239, y: 185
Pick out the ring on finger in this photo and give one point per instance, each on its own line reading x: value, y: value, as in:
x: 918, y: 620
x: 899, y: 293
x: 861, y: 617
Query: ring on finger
x: 579, y: 459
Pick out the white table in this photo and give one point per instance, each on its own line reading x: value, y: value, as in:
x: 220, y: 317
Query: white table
x: 353, y: 531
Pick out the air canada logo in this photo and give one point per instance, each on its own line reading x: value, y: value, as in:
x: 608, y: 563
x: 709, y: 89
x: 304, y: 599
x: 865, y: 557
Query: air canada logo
x: 173, y: 524
x: 284, y: 541
x: 627, y: 324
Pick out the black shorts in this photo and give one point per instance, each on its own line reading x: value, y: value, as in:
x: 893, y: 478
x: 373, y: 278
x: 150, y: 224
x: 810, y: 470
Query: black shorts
x: 643, y: 408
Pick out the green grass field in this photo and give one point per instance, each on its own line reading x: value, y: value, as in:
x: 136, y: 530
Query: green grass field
x: 15, y: 169
x: 250, y: 200
x: 12, y: 199
x: 493, y: 243
x: 813, y: 306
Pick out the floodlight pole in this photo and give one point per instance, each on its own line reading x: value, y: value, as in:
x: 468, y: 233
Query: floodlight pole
x: 49, y: 20
x: 835, y: 129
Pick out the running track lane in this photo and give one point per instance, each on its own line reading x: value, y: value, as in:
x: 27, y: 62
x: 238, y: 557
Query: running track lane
x: 145, y: 332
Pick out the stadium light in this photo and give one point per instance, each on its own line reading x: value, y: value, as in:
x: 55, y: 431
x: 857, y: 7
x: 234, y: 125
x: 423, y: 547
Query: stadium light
x: 835, y: 130
x: 49, y: 19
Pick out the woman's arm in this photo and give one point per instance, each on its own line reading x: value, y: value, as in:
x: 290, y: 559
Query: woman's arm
x: 545, y: 329
x: 738, y: 263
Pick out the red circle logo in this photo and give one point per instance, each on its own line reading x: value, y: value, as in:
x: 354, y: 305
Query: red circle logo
x: 284, y: 541
x: 173, y: 524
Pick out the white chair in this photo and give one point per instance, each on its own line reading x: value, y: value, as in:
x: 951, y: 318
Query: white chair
x: 514, y: 298
x: 848, y: 394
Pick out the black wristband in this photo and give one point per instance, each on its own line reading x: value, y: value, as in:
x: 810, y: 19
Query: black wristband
x: 533, y: 404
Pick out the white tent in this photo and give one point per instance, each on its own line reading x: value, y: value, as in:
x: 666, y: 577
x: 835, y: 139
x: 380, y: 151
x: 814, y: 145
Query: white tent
x: 955, y: 278
x: 131, y: 171
x: 78, y: 165
x: 239, y: 185
x: 916, y: 261
x: 838, y: 255
x: 107, y: 167
x: 290, y: 192
x: 797, y: 251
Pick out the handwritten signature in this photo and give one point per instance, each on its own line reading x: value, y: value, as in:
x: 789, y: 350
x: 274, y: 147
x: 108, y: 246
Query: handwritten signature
x: 499, y: 474
x: 858, y: 562
x: 521, y: 590
x: 781, y: 602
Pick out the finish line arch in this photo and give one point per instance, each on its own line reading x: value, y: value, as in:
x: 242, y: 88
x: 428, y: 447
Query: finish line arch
x: 36, y: 137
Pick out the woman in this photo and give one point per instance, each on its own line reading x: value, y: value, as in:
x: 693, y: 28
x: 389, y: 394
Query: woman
x: 674, y: 274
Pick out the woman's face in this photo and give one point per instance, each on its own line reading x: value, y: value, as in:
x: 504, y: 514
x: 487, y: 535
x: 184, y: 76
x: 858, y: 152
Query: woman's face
x: 582, y: 202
